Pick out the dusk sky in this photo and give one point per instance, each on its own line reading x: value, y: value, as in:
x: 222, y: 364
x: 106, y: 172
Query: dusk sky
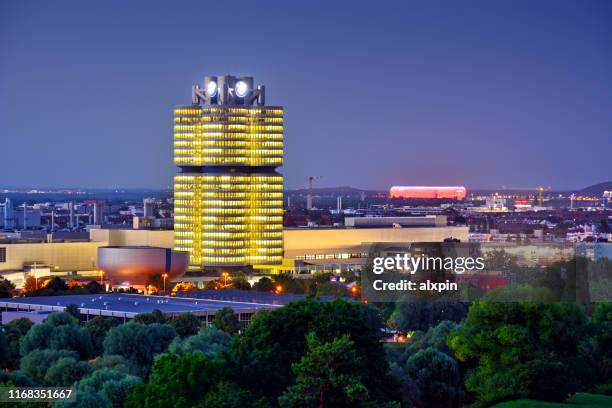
x: 476, y: 93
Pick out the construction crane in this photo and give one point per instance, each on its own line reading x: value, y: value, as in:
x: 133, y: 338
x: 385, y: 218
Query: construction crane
x: 309, y: 196
x: 539, y: 189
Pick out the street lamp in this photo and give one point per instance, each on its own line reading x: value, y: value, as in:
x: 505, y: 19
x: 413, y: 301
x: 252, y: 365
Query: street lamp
x: 165, y: 276
x: 225, y: 275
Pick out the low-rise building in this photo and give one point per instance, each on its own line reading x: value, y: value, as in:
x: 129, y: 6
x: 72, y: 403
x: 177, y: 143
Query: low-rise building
x: 308, y: 249
x: 126, y: 306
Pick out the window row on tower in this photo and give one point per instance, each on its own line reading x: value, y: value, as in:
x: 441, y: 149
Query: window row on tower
x: 196, y: 134
x: 227, y: 135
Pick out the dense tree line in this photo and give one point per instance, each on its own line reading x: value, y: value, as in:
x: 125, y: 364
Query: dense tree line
x: 319, y: 285
x: 56, y: 286
x: 315, y: 353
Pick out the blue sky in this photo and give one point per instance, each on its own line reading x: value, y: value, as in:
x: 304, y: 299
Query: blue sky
x: 479, y: 93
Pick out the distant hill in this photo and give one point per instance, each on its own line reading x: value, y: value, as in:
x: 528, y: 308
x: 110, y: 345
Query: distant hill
x: 596, y: 189
x: 333, y: 190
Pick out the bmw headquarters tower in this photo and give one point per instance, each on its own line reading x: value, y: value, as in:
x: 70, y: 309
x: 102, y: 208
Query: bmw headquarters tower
x: 228, y: 197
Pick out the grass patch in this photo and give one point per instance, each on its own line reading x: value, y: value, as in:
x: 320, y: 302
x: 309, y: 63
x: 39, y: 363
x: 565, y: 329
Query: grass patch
x: 604, y: 389
x: 584, y: 399
x: 527, y: 403
x: 580, y: 399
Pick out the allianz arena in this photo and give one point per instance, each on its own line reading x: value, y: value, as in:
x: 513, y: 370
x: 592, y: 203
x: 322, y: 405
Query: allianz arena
x: 133, y: 265
x: 455, y: 192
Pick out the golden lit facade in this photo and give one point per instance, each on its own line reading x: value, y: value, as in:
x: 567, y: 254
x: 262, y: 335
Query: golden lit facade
x: 228, y: 136
x: 228, y: 197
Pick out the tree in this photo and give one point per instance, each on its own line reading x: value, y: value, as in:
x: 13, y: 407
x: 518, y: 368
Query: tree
x: 264, y: 353
x: 422, y: 314
x: 212, y: 285
x: 229, y: 394
x: 21, y: 379
x: 73, y: 310
x: 4, y: 350
x: 185, y: 324
x: 51, y: 286
x: 31, y: 284
x: 209, y: 341
x: 567, y: 281
x: 511, y: 344
x: 184, y: 287
x: 331, y: 289
x: 156, y: 316
x: 94, y: 287
x: 264, y: 285
x: 74, y: 284
x: 98, y: 327
x: 240, y: 283
x: 313, y: 288
x: 599, y: 274
x: 436, y: 379
x: 289, y: 284
x: 55, y: 284
x: 60, y: 331
x: 66, y: 371
x: 602, y: 339
x: 436, y: 337
x: 226, y: 320
x: 103, y: 388
x: 15, y: 330
x: 37, y: 362
x: 500, y: 260
x: 328, y: 375
x: 115, y: 363
x: 519, y: 293
x: 546, y: 379
x: 138, y: 343
x: 7, y: 288
x: 178, y: 381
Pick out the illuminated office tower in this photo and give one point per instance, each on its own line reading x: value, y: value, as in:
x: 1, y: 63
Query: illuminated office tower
x: 228, y: 197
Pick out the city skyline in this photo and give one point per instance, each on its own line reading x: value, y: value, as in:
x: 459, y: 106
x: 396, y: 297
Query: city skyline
x: 478, y: 94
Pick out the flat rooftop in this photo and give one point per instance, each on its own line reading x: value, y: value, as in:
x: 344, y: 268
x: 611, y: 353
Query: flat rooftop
x: 129, y: 305
x: 248, y: 296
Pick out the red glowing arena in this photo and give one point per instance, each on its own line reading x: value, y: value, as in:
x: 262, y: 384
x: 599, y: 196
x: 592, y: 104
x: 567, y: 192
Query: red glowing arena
x: 427, y: 192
